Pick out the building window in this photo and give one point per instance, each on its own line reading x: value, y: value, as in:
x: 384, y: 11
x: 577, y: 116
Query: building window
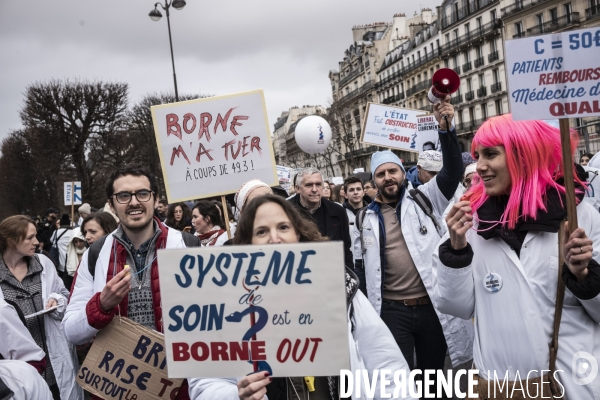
x: 479, y: 23
x: 493, y: 46
x: 498, y: 107
x: 447, y: 38
x: 493, y: 15
x: 553, y: 14
x: 539, y: 19
x: 469, y: 84
x: 484, y: 113
x: 481, y: 80
x: 496, y: 75
x: 478, y: 51
x: 471, y: 113
x: 455, y: 32
x: 568, y: 9
x: 467, y: 28
x: 518, y: 28
x: 467, y: 56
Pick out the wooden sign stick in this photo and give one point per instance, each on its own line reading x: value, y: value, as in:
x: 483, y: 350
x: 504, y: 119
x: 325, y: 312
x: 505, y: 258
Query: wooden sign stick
x: 226, y: 216
x: 567, y: 159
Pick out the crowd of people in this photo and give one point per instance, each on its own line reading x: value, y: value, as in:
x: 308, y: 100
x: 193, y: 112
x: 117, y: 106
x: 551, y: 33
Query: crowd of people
x: 456, y: 263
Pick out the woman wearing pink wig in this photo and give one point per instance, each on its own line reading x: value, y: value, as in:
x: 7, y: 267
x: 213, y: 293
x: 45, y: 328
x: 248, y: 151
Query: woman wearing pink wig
x: 499, y: 264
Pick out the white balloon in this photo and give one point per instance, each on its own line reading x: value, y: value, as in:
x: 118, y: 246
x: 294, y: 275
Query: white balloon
x: 313, y: 134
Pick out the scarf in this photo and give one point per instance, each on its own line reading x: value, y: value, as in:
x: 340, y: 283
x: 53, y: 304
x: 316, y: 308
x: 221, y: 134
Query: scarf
x: 210, y: 238
x: 546, y: 221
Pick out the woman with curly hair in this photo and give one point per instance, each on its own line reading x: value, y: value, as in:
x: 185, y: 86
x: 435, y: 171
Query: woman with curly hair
x: 270, y: 219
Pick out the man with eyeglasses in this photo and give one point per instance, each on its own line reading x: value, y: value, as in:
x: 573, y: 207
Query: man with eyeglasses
x: 330, y: 217
x: 119, y: 273
x: 370, y: 190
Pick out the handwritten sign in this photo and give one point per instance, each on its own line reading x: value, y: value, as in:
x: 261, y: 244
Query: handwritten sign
x: 555, y: 75
x: 391, y: 127
x: 228, y: 310
x: 127, y: 361
x: 427, y: 133
x: 212, y: 146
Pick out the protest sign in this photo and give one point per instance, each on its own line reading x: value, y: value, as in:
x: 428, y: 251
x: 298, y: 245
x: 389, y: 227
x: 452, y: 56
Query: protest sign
x: 428, y: 137
x: 337, y: 180
x: 391, y: 127
x: 231, y: 310
x: 212, y: 146
x: 72, y: 193
x: 285, y: 177
x: 127, y: 361
x: 555, y: 75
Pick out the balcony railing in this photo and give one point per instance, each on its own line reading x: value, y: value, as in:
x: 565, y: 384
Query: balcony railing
x: 399, y: 96
x: 478, y: 62
x: 360, y: 152
x: 457, y: 99
x: 467, y: 67
x: 469, y: 95
x: 355, y: 92
x: 496, y: 87
x: 469, y: 8
x: 493, y: 56
x: 457, y: 70
x: 482, y: 92
x: 351, y: 76
x: 519, y: 5
x: 468, y: 37
x: 519, y: 35
x: 592, y: 12
x: 555, y: 25
x: 418, y: 87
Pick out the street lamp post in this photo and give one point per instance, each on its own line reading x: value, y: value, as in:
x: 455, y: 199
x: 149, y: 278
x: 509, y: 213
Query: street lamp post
x: 155, y: 15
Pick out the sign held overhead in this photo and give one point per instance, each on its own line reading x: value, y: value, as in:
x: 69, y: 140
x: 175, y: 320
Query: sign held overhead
x: 555, y: 75
x: 211, y: 146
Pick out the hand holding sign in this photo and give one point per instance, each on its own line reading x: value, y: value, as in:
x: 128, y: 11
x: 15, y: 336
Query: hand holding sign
x: 253, y: 386
x: 115, y: 290
x: 443, y: 110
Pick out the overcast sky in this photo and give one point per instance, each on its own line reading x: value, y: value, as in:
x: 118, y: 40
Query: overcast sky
x: 284, y: 47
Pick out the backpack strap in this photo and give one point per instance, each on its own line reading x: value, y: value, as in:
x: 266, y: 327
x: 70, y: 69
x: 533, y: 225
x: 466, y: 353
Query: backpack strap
x: 360, y: 216
x: 93, y: 253
x: 424, y: 204
x: 56, y: 239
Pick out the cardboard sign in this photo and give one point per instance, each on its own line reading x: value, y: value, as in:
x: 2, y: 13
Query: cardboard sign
x: 231, y: 310
x: 211, y: 146
x: 285, y: 177
x: 72, y: 194
x: 127, y: 361
x: 391, y: 127
x: 555, y: 75
x: 428, y: 137
x: 337, y: 180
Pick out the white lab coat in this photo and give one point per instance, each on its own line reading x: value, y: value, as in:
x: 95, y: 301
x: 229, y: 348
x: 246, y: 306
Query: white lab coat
x: 75, y: 324
x: 514, y: 326
x: 62, y: 353
x: 24, y: 381
x: 458, y: 333
x: 17, y: 343
x: 372, y: 346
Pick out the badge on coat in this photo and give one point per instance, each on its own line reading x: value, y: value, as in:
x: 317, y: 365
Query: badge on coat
x: 369, y: 242
x: 492, y: 282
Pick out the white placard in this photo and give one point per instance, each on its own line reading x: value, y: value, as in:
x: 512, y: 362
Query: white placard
x: 391, y: 127
x: 211, y: 146
x: 72, y: 196
x: 428, y: 137
x: 337, y: 180
x: 554, y: 76
x: 295, y: 292
x: 285, y: 177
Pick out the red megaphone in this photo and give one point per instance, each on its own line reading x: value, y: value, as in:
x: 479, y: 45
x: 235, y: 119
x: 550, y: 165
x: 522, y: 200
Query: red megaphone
x: 444, y: 82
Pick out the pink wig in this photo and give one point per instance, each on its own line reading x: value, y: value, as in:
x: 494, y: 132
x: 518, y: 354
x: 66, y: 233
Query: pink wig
x: 534, y: 161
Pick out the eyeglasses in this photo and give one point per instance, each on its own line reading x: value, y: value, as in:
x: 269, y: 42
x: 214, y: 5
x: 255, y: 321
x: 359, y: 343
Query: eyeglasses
x: 142, y: 195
